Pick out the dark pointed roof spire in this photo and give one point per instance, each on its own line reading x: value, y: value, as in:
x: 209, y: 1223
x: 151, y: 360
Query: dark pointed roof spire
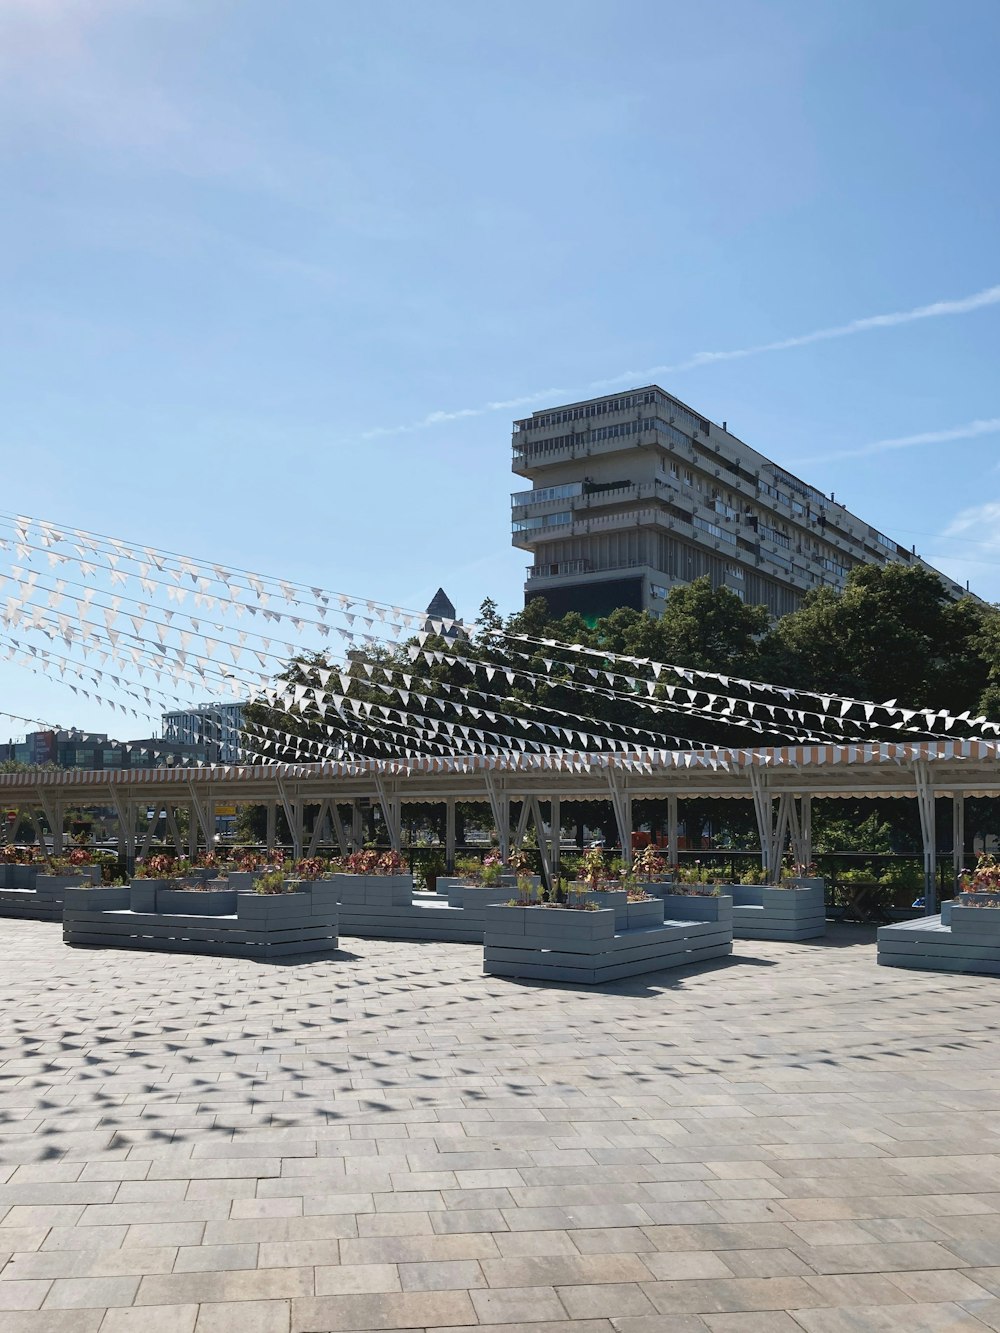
x: 441, y: 606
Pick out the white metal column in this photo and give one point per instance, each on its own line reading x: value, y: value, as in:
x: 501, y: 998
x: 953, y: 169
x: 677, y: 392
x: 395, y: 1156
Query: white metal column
x: 541, y: 834
x: 390, y: 803
x: 806, y: 829
x: 556, y: 836
x: 673, y: 841
x: 763, y: 805
x: 293, y: 813
x: 958, y: 836
x: 174, y: 831
x: 621, y: 803
x: 54, y: 818
x: 928, y: 829
x: 449, y: 835
x: 500, y: 808
x: 339, y: 830
x: 317, y: 832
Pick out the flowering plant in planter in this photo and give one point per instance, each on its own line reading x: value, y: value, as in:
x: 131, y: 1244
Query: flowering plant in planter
x: 155, y: 867
x: 649, y: 864
x: 247, y: 859
x: 592, y: 868
x: 310, y: 867
x: 984, y: 879
x: 519, y: 862
x: 635, y: 893
x: 16, y: 856
x: 529, y: 895
x: 696, y: 875
x: 755, y: 875
x: 372, y: 862
x: 271, y: 883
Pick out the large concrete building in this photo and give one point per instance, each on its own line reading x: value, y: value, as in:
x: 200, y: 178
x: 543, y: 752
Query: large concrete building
x: 636, y: 492
x: 73, y: 748
x: 217, y: 726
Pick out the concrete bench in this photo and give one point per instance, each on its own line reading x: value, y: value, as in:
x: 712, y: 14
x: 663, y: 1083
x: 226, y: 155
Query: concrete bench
x: 227, y: 923
x: 559, y: 944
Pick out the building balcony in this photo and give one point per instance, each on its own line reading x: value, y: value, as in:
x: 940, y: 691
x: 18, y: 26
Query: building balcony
x: 566, y: 571
x: 532, y: 456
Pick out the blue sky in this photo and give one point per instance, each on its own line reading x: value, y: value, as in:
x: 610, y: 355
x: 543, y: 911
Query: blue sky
x: 269, y: 269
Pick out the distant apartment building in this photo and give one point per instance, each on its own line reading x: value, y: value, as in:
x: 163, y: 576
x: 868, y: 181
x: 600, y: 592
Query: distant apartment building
x: 217, y: 726
x: 635, y: 492
x: 72, y: 748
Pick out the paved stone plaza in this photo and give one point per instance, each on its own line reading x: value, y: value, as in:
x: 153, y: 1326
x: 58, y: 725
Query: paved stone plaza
x: 791, y: 1140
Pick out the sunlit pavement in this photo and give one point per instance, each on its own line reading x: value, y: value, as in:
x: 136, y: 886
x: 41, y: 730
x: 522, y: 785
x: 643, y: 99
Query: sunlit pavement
x: 382, y: 1139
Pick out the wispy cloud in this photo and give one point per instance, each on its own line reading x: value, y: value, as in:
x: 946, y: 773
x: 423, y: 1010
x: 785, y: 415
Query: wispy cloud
x: 436, y: 418
x: 963, y: 305
x: 972, y: 429
x: 983, y: 520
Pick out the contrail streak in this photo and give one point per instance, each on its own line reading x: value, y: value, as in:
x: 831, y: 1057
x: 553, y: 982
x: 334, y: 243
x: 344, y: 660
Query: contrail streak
x: 937, y: 309
x: 989, y: 426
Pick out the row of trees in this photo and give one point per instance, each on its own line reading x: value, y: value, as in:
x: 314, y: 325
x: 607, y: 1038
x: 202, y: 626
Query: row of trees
x: 893, y: 633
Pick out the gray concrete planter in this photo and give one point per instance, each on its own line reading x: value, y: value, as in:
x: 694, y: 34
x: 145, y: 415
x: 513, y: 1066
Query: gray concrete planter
x: 18, y: 877
x: 616, y: 899
x: 640, y: 916
x: 475, y: 896
x: 444, y: 883
x: 261, y: 926
x: 961, y: 939
x: 142, y: 893
x: 243, y: 880
x: 766, y: 912
x: 558, y: 944
x: 194, y: 902
x: 386, y: 907
x: 386, y: 890
x: 43, y: 900
x: 698, y: 907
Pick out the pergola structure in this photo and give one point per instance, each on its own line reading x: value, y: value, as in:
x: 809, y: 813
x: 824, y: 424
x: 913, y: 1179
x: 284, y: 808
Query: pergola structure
x: 780, y: 781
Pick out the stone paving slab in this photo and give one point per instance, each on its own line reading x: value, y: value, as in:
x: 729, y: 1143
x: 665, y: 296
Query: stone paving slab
x: 385, y: 1139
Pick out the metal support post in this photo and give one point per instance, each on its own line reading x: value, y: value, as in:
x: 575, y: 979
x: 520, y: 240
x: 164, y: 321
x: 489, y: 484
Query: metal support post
x: 293, y: 813
x: 54, y: 818
x: 126, y: 828
x: 958, y: 837
x: 338, y: 829
x: 272, y: 825
x: 318, y: 824
x: 621, y: 803
x: 542, y: 835
x: 522, y: 823
x: 390, y: 803
x: 449, y: 835
x: 174, y: 831
x: 763, y: 805
x: 500, y: 807
x: 928, y: 829
x: 673, y: 841
x: 151, y: 827
x: 556, y: 832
